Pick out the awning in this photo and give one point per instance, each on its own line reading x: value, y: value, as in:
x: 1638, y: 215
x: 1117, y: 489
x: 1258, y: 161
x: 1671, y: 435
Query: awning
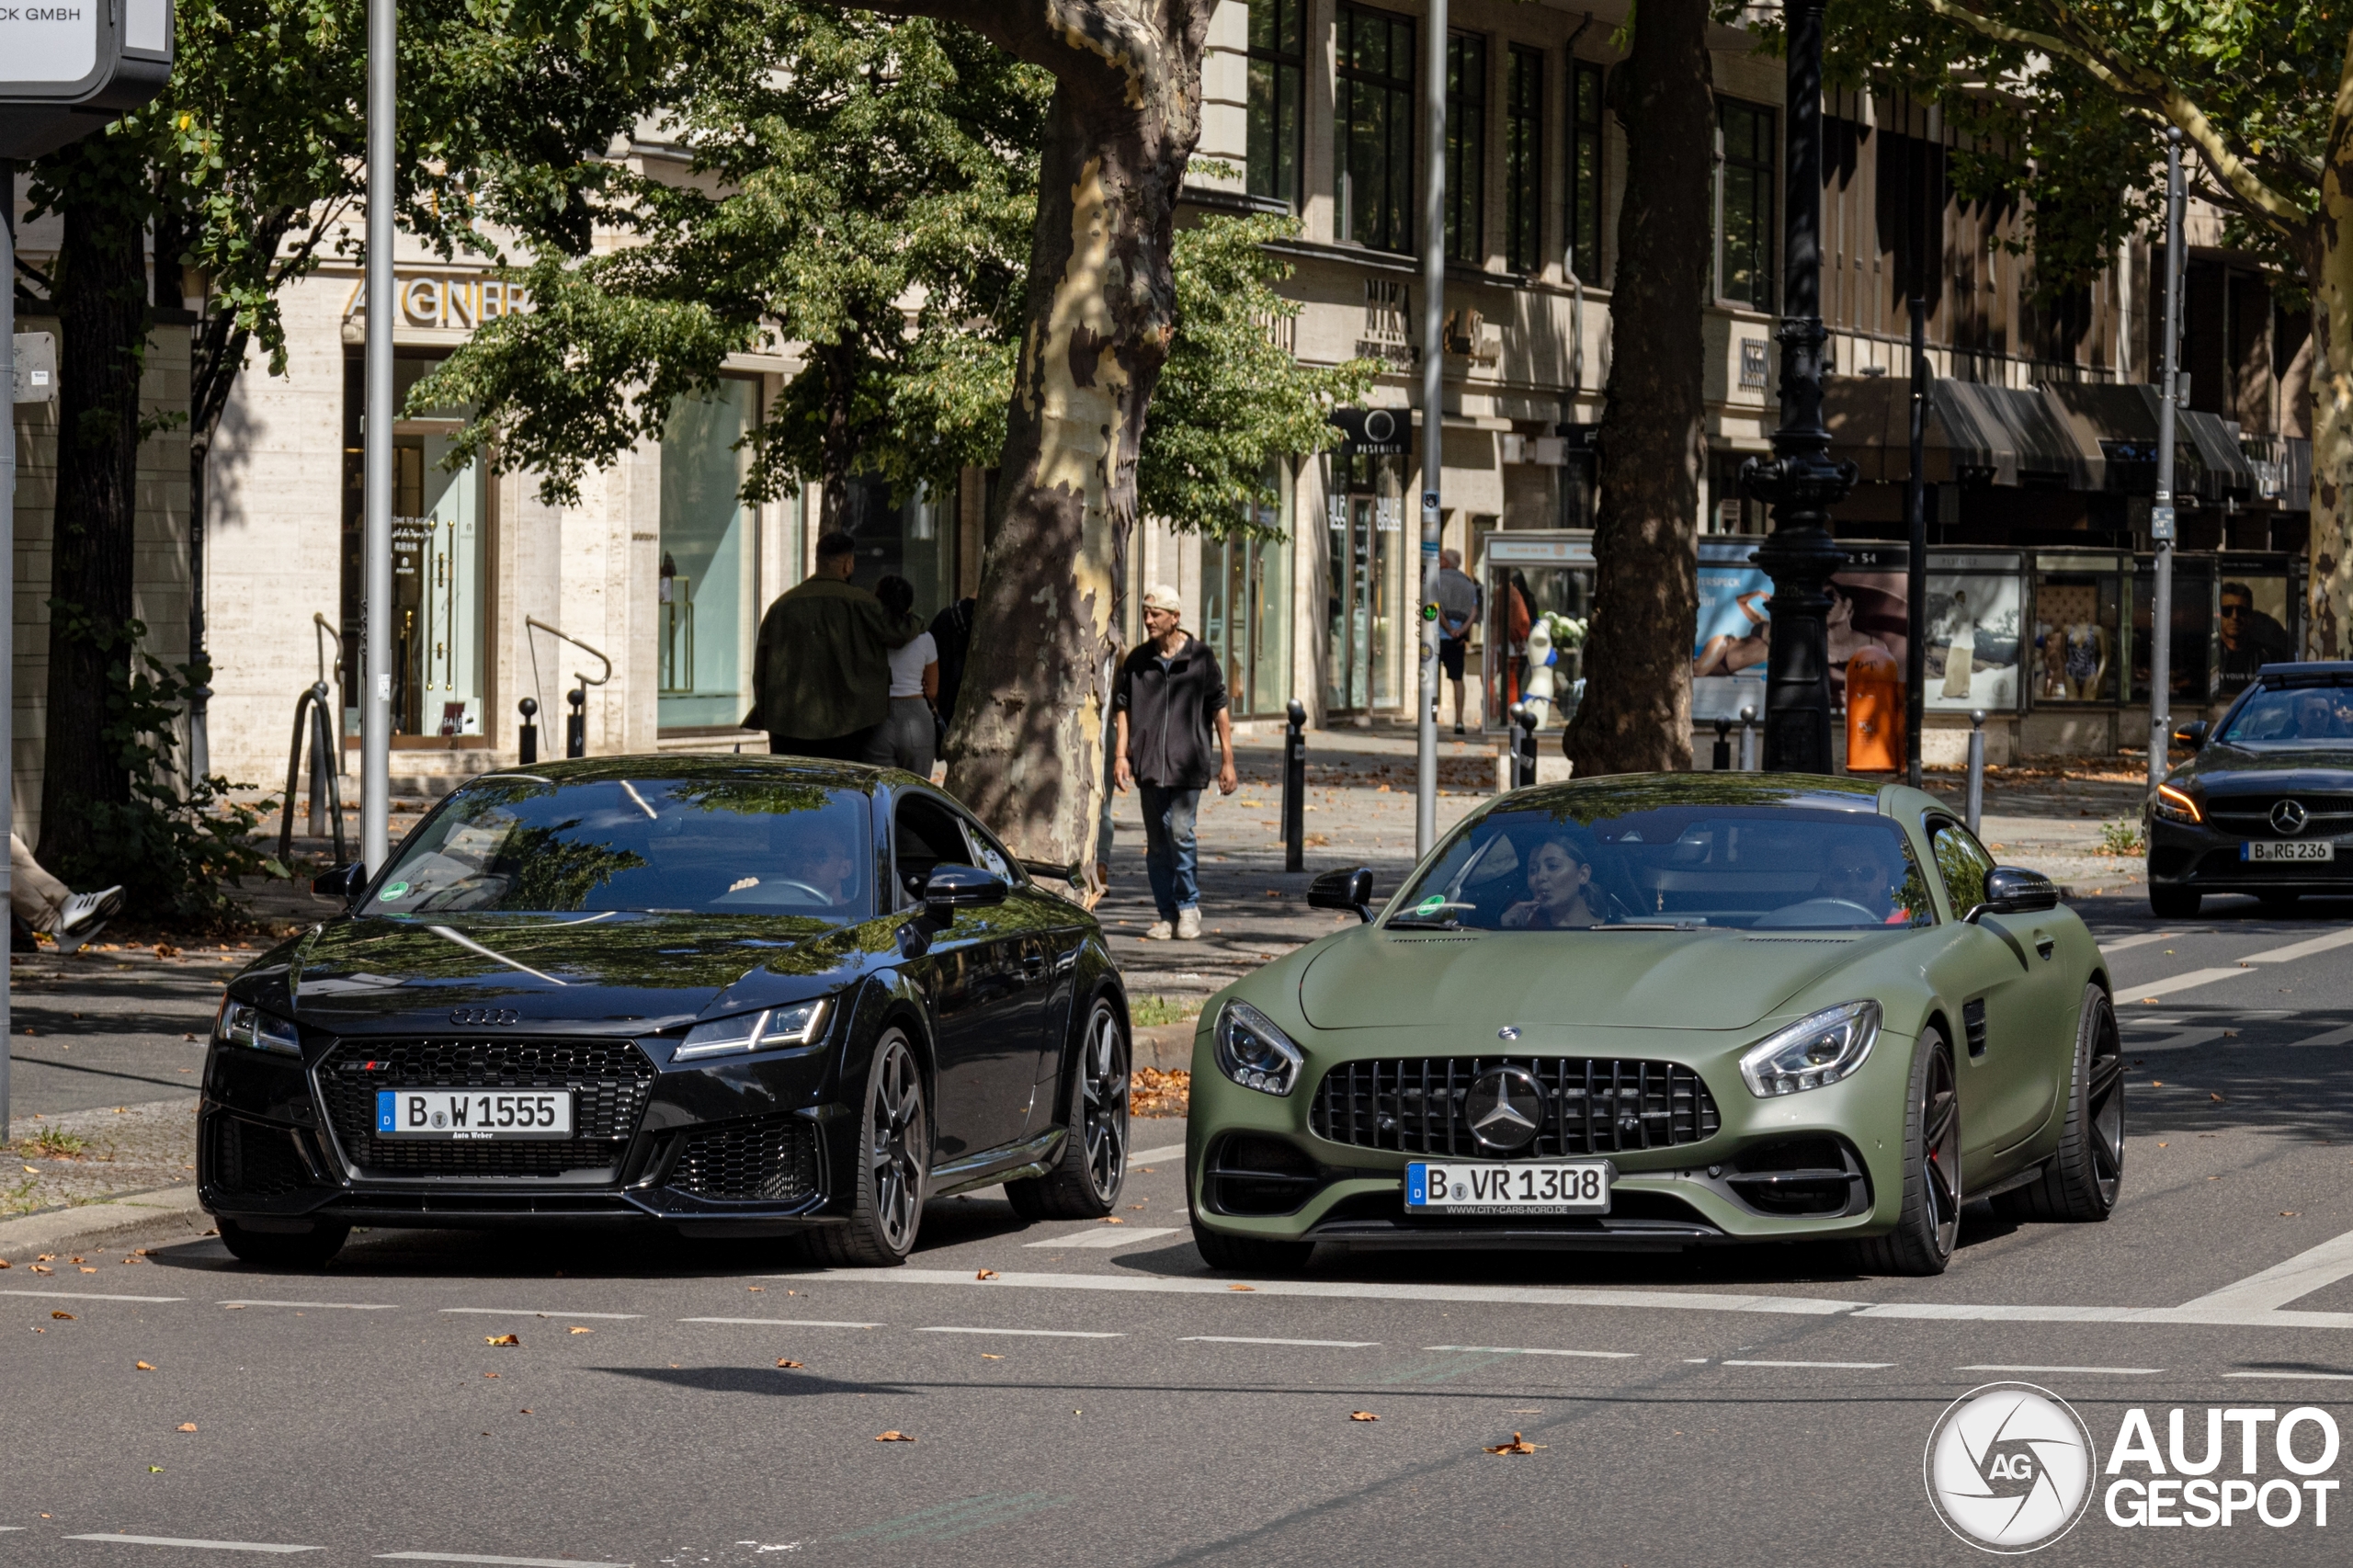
x: 1972, y: 431
x: 2121, y: 421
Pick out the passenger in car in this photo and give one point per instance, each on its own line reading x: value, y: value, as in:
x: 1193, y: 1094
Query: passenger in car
x: 1559, y: 891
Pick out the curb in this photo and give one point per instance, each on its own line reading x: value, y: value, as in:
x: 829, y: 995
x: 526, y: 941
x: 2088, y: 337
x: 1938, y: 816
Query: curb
x: 172, y: 1207
x: 1167, y: 1047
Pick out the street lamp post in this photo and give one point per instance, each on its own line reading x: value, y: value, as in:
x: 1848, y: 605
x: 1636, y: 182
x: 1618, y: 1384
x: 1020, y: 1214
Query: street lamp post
x: 2161, y: 508
x: 376, y: 439
x: 1433, y: 428
x: 1800, y: 481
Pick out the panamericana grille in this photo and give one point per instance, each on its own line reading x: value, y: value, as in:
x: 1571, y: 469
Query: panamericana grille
x: 251, y: 1161
x: 770, y: 1160
x: 1592, y: 1105
x: 610, y: 1080
x: 2327, y: 816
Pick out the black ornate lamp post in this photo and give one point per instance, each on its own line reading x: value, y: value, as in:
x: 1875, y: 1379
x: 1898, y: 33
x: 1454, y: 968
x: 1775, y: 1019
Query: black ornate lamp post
x: 1800, y: 481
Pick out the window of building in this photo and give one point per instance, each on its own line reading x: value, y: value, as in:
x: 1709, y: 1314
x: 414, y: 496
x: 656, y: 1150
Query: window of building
x: 710, y: 568
x: 1585, y: 170
x: 903, y: 535
x: 1278, y: 92
x: 1745, y: 187
x: 1246, y: 609
x: 1524, y: 161
x: 1466, y: 148
x: 1373, y: 111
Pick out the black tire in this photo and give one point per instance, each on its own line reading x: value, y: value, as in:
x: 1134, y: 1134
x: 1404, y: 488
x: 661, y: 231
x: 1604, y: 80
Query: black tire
x: 2082, y: 1180
x: 1091, y: 1170
x: 2282, y: 903
x: 1929, y: 1223
x: 894, y: 1165
x: 279, y: 1249
x: 1249, y: 1255
x: 2173, y: 904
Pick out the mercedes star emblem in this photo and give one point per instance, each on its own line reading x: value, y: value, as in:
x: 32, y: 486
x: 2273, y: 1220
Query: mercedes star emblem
x: 2289, y: 817
x: 1505, y: 1105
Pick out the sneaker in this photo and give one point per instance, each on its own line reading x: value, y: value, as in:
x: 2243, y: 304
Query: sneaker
x: 1460, y: 729
x: 1188, y: 924
x: 86, y: 915
x: 1160, y: 931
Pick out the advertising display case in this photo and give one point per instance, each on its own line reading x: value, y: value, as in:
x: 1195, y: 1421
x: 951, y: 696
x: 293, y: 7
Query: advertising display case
x: 1976, y: 604
x: 1526, y: 575
x: 2078, y: 652
x: 2191, y: 661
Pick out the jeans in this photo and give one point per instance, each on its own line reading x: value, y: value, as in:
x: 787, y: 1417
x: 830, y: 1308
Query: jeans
x: 1170, y: 855
x: 903, y: 740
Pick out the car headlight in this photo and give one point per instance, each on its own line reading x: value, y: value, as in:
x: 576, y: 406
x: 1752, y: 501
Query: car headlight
x: 1253, y: 1053
x: 1819, y: 1048
x: 242, y: 1023
x: 2178, y: 805
x: 763, y: 1030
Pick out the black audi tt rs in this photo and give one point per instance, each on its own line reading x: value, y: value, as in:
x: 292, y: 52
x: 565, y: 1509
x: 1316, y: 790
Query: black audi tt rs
x: 2265, y: 804
x: 735, y: 997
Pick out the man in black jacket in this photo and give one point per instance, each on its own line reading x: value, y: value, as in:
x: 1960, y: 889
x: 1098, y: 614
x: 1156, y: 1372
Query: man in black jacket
x: 1168, y: 694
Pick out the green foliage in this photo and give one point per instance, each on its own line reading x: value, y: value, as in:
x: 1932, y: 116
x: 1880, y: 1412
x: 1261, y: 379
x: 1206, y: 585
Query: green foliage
x: 174, y: 855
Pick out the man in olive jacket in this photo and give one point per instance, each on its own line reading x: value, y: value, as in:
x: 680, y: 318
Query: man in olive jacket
x: 820, y: 678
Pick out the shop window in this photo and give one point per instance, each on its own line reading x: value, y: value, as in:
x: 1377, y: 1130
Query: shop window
x: 905, y: 536
x: 2255, y: 619
x: 1373, y: 111
x: 1466, y: 148
x: 709, y: 567
x: 1744, y: 186
x: 2078, y: 615
x: 1523, y: 161
x: 1364, y: 602
x: 1278, y: 92
x: 1585, y: 170
x: 1246, y: 613
x: 2191, y: 662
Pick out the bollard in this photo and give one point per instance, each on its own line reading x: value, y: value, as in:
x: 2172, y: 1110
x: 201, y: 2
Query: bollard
x: 1295, y: 790
x: 1976, y: 768
x: 1523, y: 746
x: 526, y: 743
x: 576, y: 724
x: 1749, y: 739
x: 1721, y: 761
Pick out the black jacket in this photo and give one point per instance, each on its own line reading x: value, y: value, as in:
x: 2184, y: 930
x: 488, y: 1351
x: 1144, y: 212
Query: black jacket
x: 1170, y: 712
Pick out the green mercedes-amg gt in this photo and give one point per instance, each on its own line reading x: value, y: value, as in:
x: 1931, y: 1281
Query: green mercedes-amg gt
x: 1659, y: 1011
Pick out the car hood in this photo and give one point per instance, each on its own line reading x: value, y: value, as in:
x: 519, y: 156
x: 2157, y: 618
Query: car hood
x: 1682, y: 980
x: 622, y: 971
x: 2224, y: 769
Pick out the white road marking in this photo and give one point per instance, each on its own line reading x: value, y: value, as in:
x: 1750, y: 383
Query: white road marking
x: 1841, y: 1366
x: 2313, y: 1377
x: 90, y: 1296
x: 1107, y: 1237
x: 2333, y: 1037
x: 2283, y: 1282
x: 1522, y: 1351
x: 786, y: 1322
x: 345, y: 1306
x: 531, y: 1313
x: 512, y: 1561
x: 1327, y: 1344
x: 201, y: 1545
x: 2152, y: 989
x: 2114, y: 1372
x: 1147, y: 1157
x: 1030, y: 1333
x: 2224, y: 1317
x: 1525, y: 1295
x: 2142, y: 939
x: 2334, y: 939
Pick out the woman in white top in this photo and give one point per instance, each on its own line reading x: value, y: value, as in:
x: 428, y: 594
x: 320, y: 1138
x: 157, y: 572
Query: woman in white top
x: 904, y: 739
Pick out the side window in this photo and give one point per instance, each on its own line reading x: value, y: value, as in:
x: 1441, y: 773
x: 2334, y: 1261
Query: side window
x: 987, y: 852
x: 924, y: 834
x: 1963, y: 862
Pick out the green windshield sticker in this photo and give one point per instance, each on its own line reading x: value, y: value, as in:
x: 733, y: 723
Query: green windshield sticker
x: 1431, y: 904
x: 391, y: 892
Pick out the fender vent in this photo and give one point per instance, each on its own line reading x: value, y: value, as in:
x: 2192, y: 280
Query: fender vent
x: 1973, y: 1024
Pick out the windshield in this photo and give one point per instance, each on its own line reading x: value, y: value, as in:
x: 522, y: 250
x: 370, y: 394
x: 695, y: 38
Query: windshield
x: 1756, y: 867
x: 2310, y: 714
x: 733, y: 845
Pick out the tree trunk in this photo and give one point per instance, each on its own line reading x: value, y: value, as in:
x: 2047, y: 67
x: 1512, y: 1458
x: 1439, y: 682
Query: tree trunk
x: 2328, y: 267
x: 1636, y: 715
x: 1027, y: 750
x: 103, y: 319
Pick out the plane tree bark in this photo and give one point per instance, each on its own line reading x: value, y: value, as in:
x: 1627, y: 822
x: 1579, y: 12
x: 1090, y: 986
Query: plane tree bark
x: 1636, y: 714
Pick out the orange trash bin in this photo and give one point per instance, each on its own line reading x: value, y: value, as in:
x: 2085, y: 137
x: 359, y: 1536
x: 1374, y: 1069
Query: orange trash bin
x: 1874, y: 711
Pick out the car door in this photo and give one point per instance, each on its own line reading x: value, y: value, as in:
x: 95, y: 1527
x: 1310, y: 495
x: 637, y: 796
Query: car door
x: 2003, y: 970
x: 987, y: 1063
x: 1046, y: 933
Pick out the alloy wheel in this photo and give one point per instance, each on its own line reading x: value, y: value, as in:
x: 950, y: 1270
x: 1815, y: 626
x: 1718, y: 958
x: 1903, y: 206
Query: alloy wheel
x: 1941, y: 1137
x: 1103, y: 1105
x: 2104, y: 1106
x: 895, y: 1150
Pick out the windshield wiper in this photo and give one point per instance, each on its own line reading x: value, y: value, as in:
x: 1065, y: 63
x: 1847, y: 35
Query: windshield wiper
x: 1651, y: 925
x: 1417, y: 923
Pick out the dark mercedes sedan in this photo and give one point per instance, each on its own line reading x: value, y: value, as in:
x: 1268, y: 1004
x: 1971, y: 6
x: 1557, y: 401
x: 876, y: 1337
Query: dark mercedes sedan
x: 2265, y: 804
x: 735, y: 997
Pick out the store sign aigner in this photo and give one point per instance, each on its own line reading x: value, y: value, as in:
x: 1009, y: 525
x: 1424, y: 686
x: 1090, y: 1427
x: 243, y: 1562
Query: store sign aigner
x: 461, y: 302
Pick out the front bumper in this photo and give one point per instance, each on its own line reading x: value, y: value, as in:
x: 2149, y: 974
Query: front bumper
x: 2198, y: 858
x: 743, y: 1147
x: 1823, y: 1163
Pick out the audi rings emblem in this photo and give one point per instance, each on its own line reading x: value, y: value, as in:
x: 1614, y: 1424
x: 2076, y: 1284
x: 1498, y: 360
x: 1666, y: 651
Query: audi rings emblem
x: 2289, y: 818
x: 1505, y: 1107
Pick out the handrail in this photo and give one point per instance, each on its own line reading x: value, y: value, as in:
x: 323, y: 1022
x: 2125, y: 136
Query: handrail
x: 323, y: 625
x: 533, y: 621
x: 324, y: 790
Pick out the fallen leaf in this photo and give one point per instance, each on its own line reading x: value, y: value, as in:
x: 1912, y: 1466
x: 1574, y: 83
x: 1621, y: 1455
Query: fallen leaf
x: 525, y: 1412
x: 62, y: 1317
x: 86, y: 1269
x: 1362, y: 1415
x: 894, y: 1437
x: 143, y: 1366
x: 1112, y: 1220
x: 46, y: 1258
x: 1242, y: 1287
x: 235, y: 1306
x: 795, y: 1364
x: 186, y: 1427
x: 5, y: 1263
x: 1519, y: 1445
x: 502, y: 1339
x: 74, y: 1260
x: 578, y: 1330
x: 986, y: 1274
x: 43, y: 1268
x: 2287, y: 1213
x: 2216, y: 1098
x: 2156, y: 1083
x: 490, y: 1374
x: 986, y: 1356
x: 2162, y: 1144
x: 152, y: 1469
x: 755, y: 1290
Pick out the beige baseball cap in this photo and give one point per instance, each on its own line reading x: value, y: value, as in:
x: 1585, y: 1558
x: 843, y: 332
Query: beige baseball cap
x: 1161, y: 595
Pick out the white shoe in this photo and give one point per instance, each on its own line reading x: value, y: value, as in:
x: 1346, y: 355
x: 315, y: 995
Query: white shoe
x: 1188, y: 924
x: 1159, y: 931
x: 86, y: 915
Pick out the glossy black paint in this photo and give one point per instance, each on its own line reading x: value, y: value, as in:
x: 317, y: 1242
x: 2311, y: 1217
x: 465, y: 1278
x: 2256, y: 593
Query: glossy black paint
x: 991, y: 980
x: 2235, y: 786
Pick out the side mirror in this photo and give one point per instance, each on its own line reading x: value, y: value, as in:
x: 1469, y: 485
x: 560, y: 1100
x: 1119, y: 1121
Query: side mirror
x: 952, y: 888
x: 1350, y: 889
x: 2190, y: 736
x: 343, y: 883
x: 2013, y: 889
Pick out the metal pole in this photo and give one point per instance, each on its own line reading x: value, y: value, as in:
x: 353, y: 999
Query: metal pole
x: 2161, y: 514
x: 376, y: 622
x: 1748, y: 738
x: 1975, y: 808
x: 1800, y: 480
x: 1720, y: 760
x: 1915, y: 512
x: 7, y: 585
x: 1295, y: 789
x: 1433, y: 423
